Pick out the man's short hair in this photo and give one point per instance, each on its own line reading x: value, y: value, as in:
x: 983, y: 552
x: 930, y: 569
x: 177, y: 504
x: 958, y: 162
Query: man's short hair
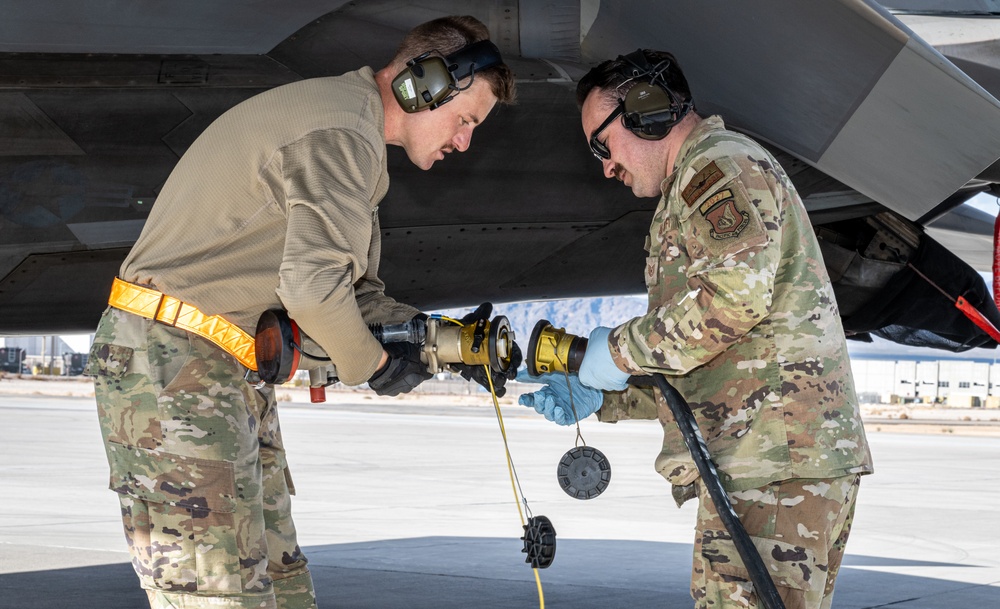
x: 449, y: 34
x: 612, y: 79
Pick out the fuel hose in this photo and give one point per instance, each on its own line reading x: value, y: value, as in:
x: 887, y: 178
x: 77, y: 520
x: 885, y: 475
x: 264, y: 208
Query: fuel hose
x: 763, y: 585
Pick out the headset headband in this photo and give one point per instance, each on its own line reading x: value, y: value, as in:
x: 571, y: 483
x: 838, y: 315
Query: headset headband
x: 639, y: 62
x: 473, y: 58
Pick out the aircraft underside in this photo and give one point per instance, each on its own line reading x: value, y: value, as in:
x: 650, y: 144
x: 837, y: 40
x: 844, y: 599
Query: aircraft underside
x: 884, y: 138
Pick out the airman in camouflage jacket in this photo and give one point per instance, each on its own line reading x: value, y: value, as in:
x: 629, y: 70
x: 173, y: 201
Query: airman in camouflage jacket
x: 742, y: 319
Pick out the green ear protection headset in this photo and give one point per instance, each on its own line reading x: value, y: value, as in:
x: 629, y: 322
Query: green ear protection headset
x: 430, y: 80
x: 650, y: 107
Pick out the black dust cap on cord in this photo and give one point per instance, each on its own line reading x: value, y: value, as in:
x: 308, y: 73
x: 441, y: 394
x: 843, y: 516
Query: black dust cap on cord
x: 584, y: 472
x: 539, y: 542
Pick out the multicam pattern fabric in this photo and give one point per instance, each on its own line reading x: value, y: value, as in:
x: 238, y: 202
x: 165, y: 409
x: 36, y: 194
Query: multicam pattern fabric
x: 800, y: 529
x: 198, y: 464
x: 743, y: 321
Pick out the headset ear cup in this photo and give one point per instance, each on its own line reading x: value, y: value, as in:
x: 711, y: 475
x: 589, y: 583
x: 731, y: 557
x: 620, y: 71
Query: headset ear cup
x: 649, y: 111
x: 647, y: 130
x: 405, y: 91
x: 431, y: 80
x: 653, y: 131
x: 425, y: 83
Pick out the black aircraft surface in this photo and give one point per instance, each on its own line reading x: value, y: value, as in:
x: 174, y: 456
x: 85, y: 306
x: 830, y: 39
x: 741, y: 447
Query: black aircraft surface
x: 885, y: 136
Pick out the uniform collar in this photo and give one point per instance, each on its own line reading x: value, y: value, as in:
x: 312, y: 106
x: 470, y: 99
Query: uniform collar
x: 700, y: 132
x: 375, y: 106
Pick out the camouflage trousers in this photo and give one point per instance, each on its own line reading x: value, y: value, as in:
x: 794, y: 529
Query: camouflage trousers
x: 198, y: 464
x: 800, y: 528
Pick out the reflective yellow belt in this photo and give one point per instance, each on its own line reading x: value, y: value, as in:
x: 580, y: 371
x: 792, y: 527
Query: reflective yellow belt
x: 149, y: 303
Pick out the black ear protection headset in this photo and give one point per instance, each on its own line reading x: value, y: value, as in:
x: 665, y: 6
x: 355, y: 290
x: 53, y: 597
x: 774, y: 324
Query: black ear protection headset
x: 430, y: 80
x: 650, y: 108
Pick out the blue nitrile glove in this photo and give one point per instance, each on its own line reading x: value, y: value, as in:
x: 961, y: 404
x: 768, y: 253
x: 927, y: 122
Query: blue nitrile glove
x: 598, y: 370
x: 552, y: 400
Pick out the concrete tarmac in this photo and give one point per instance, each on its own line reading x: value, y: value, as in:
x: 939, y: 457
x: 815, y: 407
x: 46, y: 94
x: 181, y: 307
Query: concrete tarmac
x: 408, y: 504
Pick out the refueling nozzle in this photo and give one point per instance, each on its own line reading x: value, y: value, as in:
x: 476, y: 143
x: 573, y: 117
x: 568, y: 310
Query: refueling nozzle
x: 551, y: 349
x: 281, y: 348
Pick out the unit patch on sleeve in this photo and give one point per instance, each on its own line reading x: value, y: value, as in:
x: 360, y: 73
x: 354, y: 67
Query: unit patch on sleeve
x: 701, y: 182
x: 726, y: 219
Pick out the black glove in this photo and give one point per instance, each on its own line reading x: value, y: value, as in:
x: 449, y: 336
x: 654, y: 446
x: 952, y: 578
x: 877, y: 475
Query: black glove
x: 477, y: 372
x: 402, y: 372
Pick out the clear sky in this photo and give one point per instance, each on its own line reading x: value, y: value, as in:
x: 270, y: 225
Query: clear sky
x: 985, y: 202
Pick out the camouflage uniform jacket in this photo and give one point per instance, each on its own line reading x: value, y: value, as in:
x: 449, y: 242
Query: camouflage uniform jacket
x: 742, y: 319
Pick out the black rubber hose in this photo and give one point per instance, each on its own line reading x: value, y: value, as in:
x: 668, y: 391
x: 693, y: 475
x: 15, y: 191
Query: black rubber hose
x: 763, y: 585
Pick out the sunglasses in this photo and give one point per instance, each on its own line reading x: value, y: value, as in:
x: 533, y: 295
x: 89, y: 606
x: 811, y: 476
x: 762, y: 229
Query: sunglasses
x: 598, y: 148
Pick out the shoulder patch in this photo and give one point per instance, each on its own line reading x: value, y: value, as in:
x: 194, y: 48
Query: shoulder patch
x: 722, y: 195
x: 701, y: 182
x: 727, y: 223
x: 727, y: 219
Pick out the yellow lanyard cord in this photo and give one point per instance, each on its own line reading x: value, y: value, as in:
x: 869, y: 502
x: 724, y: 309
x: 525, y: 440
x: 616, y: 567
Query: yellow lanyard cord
x: 514, y: 484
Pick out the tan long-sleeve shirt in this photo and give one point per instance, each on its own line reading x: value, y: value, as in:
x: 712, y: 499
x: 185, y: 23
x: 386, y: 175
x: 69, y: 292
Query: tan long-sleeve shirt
x: 276, y: 205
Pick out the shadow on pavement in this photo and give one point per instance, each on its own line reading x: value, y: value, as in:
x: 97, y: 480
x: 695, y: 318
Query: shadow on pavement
x: 489, y: 573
